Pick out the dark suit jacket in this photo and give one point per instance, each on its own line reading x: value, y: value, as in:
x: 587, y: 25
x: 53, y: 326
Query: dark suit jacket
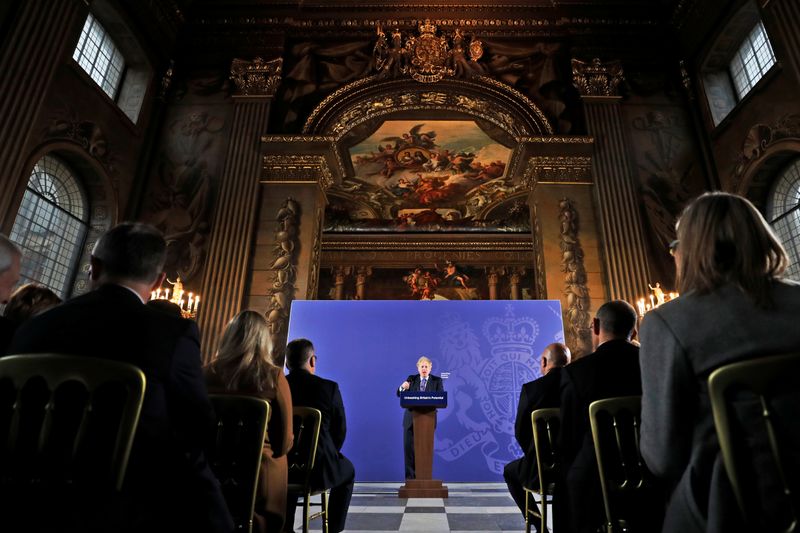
x: 309, y: 390
x: 538, y: 394
x: 167, y: 459
x: 683, y: 341
x: 435, y: 384
x: 612, y: 370
x: 7, y: 328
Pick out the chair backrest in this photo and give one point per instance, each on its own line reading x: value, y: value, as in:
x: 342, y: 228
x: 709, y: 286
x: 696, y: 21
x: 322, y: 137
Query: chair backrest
x: 67, y: 420
x: 756, y: 411
x: 615, y: 424
x: 302, y: 457
x: 234, y: 451
x: 546, y: 424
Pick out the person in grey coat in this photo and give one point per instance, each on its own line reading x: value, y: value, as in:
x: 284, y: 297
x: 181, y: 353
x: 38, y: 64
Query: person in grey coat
x: 733, y: 306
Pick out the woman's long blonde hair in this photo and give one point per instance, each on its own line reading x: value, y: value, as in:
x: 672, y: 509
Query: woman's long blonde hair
x: 722, y: 239
x: 244, y: 359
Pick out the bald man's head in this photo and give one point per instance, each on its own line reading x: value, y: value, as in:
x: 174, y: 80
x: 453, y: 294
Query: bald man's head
x: 554, y: 356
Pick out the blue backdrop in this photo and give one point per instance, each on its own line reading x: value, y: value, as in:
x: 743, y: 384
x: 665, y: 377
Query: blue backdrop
x: 485, y: 351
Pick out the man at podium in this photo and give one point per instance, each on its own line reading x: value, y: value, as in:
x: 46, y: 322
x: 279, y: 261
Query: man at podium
x: 423, y: 381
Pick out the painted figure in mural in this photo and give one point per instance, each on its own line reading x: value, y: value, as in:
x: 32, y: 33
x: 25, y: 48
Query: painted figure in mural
x: 422, y: 284
x: 454, y: 277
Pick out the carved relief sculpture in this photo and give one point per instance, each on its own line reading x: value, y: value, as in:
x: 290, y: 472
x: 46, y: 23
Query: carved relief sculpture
x: 576, y: 293
x: 596, y: 78
x: 256, y: 77
x: 283, y: 287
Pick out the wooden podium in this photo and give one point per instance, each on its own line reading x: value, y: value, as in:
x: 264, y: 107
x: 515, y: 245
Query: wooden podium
x: 423, y: 405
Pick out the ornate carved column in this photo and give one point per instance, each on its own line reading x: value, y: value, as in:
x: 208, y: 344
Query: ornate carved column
x: 303, y: 178
x: 339, y: 277
x: 362, y: 273
x: 232, y: 234
x: 624, y: 250
x: 493, y: 277
x: 30, y: 55
x: 514, y: 279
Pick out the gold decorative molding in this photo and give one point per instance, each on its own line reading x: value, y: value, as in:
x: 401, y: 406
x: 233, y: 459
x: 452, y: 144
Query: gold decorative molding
x: 256, y: 77
x: 555, y: 139
x: 297, y: 138
x: 558, y: 169
x: 538, y: 249
x: 510, y: 245
x: 596, y: 78
x: 480, y: 96
x: 493, y: 25
x: 316, y: 247
x: 297, y: 168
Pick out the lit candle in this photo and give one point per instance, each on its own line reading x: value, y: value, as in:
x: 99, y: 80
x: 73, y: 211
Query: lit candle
x: 196, y: 301
x: 166, y: 294
x: 152, y: 295
x: 158, y: 292
x: 640, y: 305
x: 652, y: 302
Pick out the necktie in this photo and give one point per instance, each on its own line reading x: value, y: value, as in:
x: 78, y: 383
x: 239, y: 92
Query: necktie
x: 423, y: 384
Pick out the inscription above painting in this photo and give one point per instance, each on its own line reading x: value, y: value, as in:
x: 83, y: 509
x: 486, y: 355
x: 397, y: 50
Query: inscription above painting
x: 416, y: 175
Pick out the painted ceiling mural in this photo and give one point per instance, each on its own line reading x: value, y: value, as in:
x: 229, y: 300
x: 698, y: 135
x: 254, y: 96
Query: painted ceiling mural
x: 427, y: 175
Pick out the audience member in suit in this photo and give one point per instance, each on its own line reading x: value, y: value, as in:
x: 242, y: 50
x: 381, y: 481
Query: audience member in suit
x: 168, y: 485
x: 10, y: 257
x: 332, y: 470
x: 733, y: 306
x: 244, y: 364
x: 537, y: 394
x: 611, y: 370
x: 423, y: 381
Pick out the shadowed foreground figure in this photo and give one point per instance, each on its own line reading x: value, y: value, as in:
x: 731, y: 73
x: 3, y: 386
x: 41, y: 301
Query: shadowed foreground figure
x: 168, y: 485
x: 611, y: 370
x: 733, y: 306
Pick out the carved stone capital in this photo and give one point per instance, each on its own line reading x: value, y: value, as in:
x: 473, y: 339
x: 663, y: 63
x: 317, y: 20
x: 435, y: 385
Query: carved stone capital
x: 596, y: 78
x: 311, y: 168
x: 256, y: 77
x: 557, y: 169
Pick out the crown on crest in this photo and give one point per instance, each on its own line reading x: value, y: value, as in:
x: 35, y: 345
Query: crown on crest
x: 427, y: 27
x: 511, y: 330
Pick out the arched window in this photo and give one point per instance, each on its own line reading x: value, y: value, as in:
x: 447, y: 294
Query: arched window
x: 51, y: 225
x: 783, y: 212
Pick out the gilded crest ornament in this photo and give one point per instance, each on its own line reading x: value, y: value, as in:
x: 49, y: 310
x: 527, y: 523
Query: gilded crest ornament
x: 427, y: 57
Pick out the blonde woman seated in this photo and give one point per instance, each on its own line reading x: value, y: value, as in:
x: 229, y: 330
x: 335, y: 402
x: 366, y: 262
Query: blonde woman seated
x: 244, y: 365
x: 734, y: 305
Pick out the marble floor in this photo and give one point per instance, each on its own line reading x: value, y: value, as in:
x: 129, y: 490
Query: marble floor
x: 471, y: 507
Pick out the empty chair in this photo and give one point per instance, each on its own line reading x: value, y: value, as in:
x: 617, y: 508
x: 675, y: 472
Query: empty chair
x: 67, y: 425
x: 306, y: 424
x: 234, y: 451
x: 630, y: 498
x: 545, y: 432
x: 756, y: 406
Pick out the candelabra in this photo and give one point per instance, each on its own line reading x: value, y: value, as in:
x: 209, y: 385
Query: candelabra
x: 187, y: 301
x: 656, y: 298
